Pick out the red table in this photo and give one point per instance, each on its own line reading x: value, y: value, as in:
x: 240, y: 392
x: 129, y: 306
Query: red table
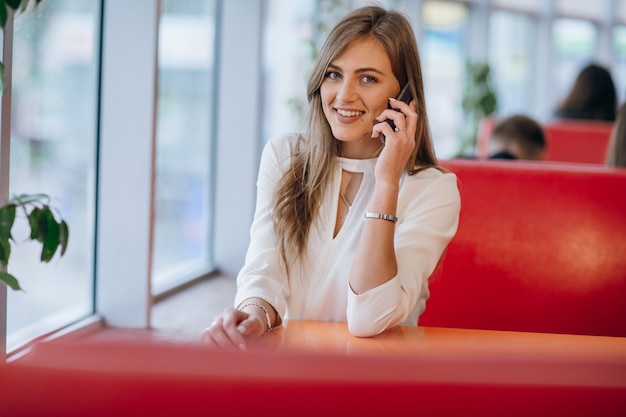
x: 314, y: 368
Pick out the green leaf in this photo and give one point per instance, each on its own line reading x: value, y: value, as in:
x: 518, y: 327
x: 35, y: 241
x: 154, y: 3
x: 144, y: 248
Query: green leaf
x: 38, y: 224
x: 3, y: 15
x: 64, y: 235
x: 51, y: 235
x: 7, y: 217
x: 5, y: 252
x: 14, y: 4
x: 10, y: 281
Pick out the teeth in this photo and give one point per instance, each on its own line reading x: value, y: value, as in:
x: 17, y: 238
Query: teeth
x: 347, y: 113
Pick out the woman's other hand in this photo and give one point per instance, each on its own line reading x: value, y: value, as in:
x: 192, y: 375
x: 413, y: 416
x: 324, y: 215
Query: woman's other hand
x: 233, y: 329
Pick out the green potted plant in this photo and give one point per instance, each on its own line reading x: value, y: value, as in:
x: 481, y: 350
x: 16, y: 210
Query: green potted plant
x: 479, y: 101
x: 44, y: 228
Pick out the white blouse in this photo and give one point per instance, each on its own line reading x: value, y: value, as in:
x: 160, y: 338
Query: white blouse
x: 317, y: 287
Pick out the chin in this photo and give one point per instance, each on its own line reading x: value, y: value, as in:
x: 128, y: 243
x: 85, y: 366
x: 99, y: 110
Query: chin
x: 348, y: 135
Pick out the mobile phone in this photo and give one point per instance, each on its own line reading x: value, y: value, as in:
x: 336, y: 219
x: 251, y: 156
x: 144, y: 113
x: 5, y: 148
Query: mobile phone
x: 406, y: 96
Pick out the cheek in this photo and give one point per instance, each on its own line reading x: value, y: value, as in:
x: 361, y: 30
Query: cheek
x: 327, y: 97
x: 378, y: 102
x: 326, y: 93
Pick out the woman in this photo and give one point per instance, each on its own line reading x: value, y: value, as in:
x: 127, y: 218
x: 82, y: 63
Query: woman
x: 353, y: 216
x: 593, y: 96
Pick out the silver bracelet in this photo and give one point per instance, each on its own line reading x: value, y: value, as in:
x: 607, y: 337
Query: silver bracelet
x: 382, y: 216
x: 262, y: 307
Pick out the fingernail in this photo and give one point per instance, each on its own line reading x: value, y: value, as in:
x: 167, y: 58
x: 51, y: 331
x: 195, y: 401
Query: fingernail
x: 241, y: 328
x: 392, y: 99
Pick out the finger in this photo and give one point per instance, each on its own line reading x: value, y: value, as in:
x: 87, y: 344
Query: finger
x: 221, y: 334
x: 382, y: 128
x: 251, y: 328
x: 396, y: 117
x: 408, y: 110
x: 217, y: 337
x: 233, y: 327
x: 398, y: 105
x: 403, y: 107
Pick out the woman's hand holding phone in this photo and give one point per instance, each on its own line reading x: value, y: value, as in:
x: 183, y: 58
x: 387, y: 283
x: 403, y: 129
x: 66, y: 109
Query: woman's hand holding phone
x: 405, y: 96
x: 398, y: 136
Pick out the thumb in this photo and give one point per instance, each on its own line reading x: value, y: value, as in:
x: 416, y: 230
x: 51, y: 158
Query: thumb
x: 250, y: 327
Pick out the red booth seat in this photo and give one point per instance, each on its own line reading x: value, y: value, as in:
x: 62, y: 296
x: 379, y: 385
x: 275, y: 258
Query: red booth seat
x: 577, y: 141
x: 540, y: 247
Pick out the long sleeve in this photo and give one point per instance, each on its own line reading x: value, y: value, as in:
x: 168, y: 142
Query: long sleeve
x: 428, y: 211
x: 262, y: 274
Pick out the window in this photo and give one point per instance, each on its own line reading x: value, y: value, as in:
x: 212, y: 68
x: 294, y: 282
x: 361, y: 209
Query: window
x: 442, y: 51
x: 595, y: 10
x: 53, y: 151
x: 574, y: 45
x: 619, y: 62
x: 511, y: 57
x: 287, y: 61
x: 182, y: 239
x: 528, y: 6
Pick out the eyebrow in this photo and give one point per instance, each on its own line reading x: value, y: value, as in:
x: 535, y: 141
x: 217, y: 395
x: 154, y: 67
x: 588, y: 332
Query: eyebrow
x: 360, y: 70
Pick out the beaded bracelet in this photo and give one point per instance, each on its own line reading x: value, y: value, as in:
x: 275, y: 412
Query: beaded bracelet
x: 262, y: 307
x: 382, y: 216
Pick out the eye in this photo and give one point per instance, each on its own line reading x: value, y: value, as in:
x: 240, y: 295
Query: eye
x: 368, y: 79
x: 332, y: 75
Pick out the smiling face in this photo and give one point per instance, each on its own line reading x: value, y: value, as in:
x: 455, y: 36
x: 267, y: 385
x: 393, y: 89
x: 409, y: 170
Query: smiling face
x: 356, y: 89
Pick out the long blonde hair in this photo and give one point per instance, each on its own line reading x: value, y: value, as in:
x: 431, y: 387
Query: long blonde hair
x: 616, y: 154
x: 299, y: 193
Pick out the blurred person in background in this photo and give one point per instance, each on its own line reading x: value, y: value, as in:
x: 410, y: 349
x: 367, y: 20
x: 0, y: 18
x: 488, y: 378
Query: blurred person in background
x: 592, y: 97
x: 517, y: 137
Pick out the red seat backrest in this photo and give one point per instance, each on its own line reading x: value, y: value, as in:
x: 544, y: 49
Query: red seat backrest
x: 540, y: 247
x: 577, y: 141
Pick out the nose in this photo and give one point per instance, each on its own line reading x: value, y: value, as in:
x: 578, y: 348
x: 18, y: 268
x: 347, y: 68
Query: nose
x: 347, y: 92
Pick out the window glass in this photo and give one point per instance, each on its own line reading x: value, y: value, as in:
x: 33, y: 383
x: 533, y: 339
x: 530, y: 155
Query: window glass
x: 529, y: 6
x: 620, y: 14
x: 442, y: 51
x: 287, y: 62
x: 183, y: 151
x: 511, y: 58
x: 594, y: 10
x: 619, y: 65
x: 574, y: 45
x: 53, y: 150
